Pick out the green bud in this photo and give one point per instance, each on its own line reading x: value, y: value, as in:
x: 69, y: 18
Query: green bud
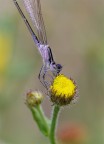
x: 34, y: 98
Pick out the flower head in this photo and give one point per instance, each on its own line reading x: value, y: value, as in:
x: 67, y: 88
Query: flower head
x: 34, y: 98
x: 63, y: 90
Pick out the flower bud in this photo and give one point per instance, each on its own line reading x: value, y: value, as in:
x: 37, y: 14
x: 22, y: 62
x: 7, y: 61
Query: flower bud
x: 34, y: 98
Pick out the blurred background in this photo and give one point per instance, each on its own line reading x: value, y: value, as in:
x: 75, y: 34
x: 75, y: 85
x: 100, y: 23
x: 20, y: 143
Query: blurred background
x: 75, y: 31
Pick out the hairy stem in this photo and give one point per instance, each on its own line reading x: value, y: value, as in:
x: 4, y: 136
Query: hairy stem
x: 53, y: 124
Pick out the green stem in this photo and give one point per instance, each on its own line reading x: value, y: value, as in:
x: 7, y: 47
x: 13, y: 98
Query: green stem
x: 53, y: 124
x: 44, y: 118
x: 40, y: 119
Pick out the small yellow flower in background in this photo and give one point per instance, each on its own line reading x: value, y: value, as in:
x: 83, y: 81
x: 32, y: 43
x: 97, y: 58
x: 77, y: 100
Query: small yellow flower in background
x: 63, y: 90
x: 6, y: 45
x: 5, y: 51
x: 34, y: 98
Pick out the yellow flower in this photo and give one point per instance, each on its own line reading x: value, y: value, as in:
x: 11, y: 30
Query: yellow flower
x: 5, y: 51
x: 34, y: 98
x: 5, y: 56
x: 63, y: 90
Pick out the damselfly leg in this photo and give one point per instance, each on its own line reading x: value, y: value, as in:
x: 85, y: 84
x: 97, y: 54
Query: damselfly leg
x: 42, y: 77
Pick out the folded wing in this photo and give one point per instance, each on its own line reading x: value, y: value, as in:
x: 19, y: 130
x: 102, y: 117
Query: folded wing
x: 33, y: 7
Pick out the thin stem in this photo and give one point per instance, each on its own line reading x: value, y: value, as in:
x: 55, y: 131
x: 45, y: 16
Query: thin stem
x: 53, y: 124
x: 40, y: 119
x: 44, y: 118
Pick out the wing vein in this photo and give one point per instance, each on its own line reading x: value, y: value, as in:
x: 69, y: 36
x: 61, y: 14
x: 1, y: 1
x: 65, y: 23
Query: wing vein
x: 33, y: 7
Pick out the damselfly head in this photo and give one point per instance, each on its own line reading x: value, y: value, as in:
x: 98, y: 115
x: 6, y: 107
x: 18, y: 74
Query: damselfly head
x: 59, y: 67
x: 56, y: 68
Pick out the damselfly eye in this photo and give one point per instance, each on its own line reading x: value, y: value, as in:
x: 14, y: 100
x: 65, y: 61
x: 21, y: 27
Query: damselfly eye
x: 59, y: 67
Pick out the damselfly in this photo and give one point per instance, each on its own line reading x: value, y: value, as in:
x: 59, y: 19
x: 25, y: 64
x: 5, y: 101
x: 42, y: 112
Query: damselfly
x: 33, y: 7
